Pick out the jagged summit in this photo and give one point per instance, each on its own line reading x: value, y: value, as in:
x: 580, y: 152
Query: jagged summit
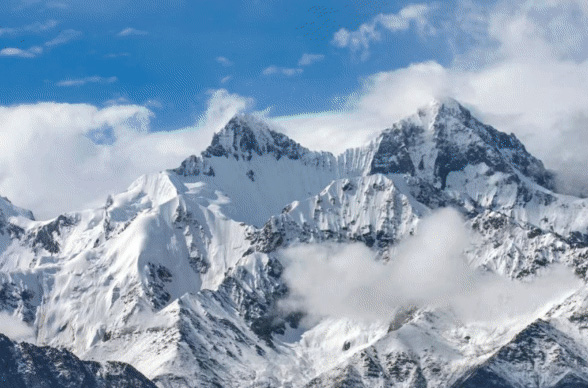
x: 441, y: 138
x: 444, y: 137
x: 182, y: 275
x: 246, y: 135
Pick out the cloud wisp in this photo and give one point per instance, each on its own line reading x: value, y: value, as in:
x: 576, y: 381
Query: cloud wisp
x: 64, y: 37
x: 309, y: 59
x: 86, y: 80
x: 287, y: 71
x: 129, y: 31
x: 369, y: 32
x: 224, y: 61
x: 33, y: 28
x: 428, y: 269
x: 21, y: 53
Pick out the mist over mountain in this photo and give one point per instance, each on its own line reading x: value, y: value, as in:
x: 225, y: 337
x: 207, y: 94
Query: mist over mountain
x: 439, y: 255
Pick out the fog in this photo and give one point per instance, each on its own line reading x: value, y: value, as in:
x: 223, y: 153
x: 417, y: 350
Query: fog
x: 427, y: 269
x: 15, y: 329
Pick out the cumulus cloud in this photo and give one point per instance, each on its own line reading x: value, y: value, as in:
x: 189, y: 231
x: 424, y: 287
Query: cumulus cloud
x: 50, y: 163
x: 86, y: 80
x: 271, y: 70
x: 309, y: 59
x: 129, y: 31
x: 525, y: 72
x: 428, y: 269
x: 361, y: 38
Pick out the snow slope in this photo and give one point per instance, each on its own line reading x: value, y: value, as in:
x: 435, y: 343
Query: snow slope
x: 181, y: 275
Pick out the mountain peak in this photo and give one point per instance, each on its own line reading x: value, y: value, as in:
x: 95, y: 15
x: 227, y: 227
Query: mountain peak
x: 7, y: 209
x: 444, y: 137
x: 246, y: 135
x: 441, y: 109
x: 446, y: 103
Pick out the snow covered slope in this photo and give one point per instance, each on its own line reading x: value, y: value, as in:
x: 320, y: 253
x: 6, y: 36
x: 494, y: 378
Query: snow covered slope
x: 181, y: 275
x: 23, y: 365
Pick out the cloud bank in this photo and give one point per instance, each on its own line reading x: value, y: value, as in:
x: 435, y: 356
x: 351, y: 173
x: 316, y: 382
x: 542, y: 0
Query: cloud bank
x: 524, y: 70
x: 426, y: 269
x: 63, y: 157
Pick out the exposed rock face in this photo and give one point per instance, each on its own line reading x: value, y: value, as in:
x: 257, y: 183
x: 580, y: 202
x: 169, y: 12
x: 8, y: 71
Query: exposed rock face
x: 181, y: 275
x: 23, y: 365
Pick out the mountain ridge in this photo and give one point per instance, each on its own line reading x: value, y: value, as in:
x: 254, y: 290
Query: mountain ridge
x: 186, y: 263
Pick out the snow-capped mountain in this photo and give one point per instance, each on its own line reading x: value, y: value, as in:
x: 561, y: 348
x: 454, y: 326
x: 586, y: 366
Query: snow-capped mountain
x: 181, y: 275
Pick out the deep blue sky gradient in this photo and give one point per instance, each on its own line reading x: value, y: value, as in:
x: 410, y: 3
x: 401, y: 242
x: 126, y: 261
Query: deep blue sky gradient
x: 175, y: 62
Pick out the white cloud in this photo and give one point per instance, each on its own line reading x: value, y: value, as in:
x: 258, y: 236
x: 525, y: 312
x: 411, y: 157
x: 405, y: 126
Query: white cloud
x: 366, y: 33
x: 226, y: 79
x: 156, y: 104
x: 32, y: 52
x: 86, y: 80
x: 132, y: 32
x: 50, y: 165
x: 117, y: 101
x: 309, y: 59
x: 17, y: 52
x: 64, y: 37
x: 428, y: 269
x: 16, y: 329
x: 271, y: 70
x: 117, y: 55
x: 526, y: 72
x: 29, y: 28
x: 224, y: 61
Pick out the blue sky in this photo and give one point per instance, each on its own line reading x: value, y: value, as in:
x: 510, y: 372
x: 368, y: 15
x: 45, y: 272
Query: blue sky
x: 89, y: 89
x: 170, y: 55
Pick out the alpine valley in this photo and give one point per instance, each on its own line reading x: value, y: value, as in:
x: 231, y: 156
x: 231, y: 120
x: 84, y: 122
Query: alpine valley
x: 177, y: 282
